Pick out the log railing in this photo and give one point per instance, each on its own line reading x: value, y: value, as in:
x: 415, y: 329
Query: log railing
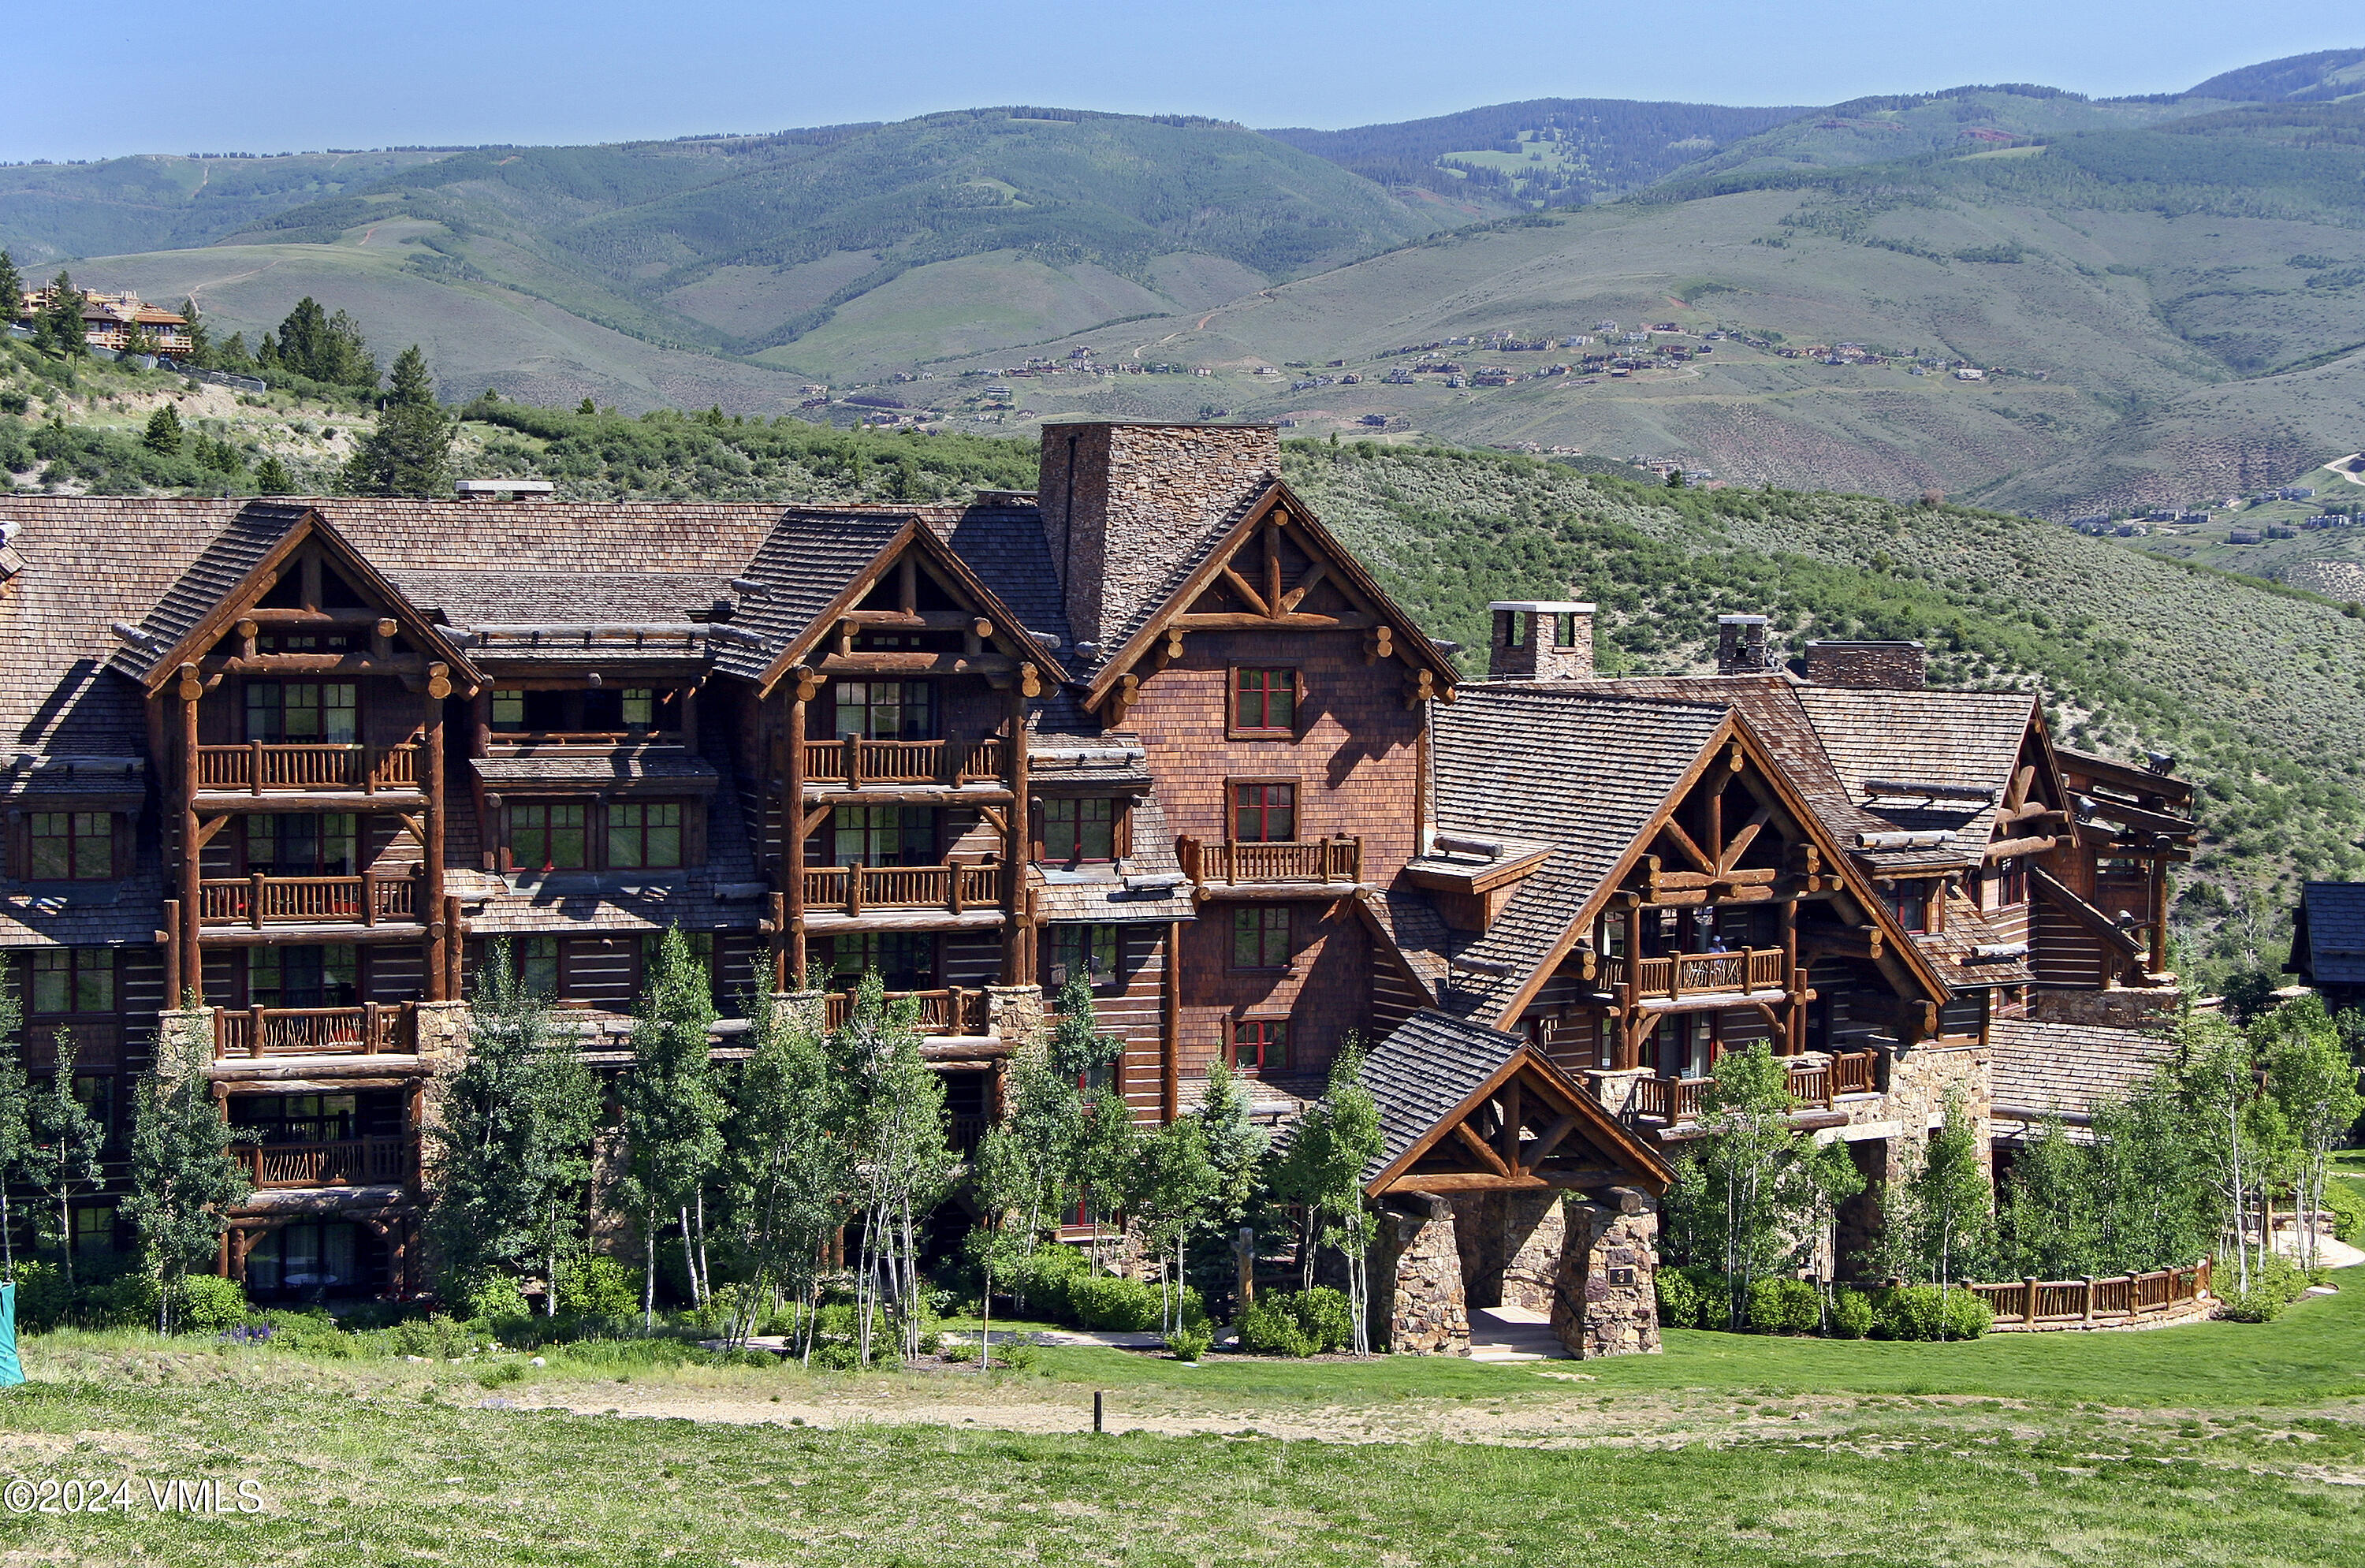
x: 1670, y: 1099
x: 346, y: 1162
x: 1814, y: 1084
x: 1680, y: 975
x: 854, y: 762
x: 2034, y: 1304
x: 1304, y: 860
x: 855, y: 890
x: 367, y: 1030
x: 955, y: 1010
x: 258, y: 901
x: 260, y: 766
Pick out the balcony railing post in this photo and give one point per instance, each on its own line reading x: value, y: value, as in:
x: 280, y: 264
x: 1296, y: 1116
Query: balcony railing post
x: 854, y: 888
x: 254, y: 900
x: 254, y: 767
x: 369, y: 1028
x: 953, y: 885
x: 254, y: 1031
x: 369, y: 769
x: 852, y: 744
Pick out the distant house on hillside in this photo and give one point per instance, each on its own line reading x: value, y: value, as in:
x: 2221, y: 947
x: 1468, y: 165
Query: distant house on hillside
x: 110, y: 320
x: 1968, y: 373
x: 2328, y: 942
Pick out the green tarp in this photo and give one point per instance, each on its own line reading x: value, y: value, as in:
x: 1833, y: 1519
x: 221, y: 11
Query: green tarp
x: 12, y: 1371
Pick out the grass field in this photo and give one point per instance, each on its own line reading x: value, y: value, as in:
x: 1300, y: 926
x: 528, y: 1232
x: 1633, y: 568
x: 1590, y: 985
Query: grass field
x: 2206, y: 1444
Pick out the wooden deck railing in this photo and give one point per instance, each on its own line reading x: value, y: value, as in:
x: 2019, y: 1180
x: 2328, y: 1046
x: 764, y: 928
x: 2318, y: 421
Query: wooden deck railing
x: 1680, y: 975
x: 853, y: 890
x: 259, y: 901
x: 367, y: 1030
x: 2073, y: 1304
x: 259, y: 768
x: 855, y: 762
x: 1855, y: 1072
x: 347, y: 1162
x: 955, y: 1010
x: 1303, y: 861
x: 1815, y: 1083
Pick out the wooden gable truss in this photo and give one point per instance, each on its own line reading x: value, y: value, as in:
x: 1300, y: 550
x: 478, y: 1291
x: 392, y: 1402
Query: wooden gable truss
x: 1528, y: 1127
x: 1276, y: 570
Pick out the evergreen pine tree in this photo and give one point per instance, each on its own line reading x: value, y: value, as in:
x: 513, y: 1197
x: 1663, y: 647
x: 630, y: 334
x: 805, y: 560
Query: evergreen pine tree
x: 59, y: 322
x: 182, y: 1173
x: 405, y: 455
x: 164, y: 433
x: 201, y: 345
x: 271, y: 478
x: 12, y: 290
x: 63, y: 1159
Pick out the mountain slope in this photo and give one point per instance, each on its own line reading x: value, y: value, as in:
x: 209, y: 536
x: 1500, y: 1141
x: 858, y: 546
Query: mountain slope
x: 2329, y: 73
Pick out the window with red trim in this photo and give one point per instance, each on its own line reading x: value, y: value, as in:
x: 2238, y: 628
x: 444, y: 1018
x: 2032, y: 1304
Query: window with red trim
x: 77, y: 846
x: 1259, y: 1045
x: 1265, y: 701
x: 1265, y: 813
x: 1261, y: 936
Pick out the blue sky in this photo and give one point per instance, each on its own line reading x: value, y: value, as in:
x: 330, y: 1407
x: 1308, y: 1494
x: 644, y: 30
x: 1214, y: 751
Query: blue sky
x: 271, y: 75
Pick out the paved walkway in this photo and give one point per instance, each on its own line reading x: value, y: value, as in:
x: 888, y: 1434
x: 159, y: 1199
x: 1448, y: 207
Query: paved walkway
x: 1513, y: 1334
x: 2330, y: 1251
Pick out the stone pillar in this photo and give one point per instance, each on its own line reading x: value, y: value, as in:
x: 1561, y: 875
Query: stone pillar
x: 1535, y: 1238
x: 1606, y: 1302
x: 1015, y: 1012
x: 1614, y: 1088
x: 1417, y: 1306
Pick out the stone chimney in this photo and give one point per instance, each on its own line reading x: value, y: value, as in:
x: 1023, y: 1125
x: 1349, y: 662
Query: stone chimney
x: 1741, y: 645
x: 1126, y: 505
x: 1540, y: 640
x: 1894, y: 666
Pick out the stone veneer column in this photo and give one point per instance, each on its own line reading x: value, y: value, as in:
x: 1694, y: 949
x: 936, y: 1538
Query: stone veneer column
x: 1606, y: 1302
x: 1417, y: 1306
x: 1920, y: 1079
x: 1535, y: 1235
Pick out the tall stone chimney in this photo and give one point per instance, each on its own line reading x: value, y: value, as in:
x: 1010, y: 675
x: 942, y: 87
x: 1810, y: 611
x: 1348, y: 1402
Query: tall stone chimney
x: 1741, y: 645
x: 1895, y: 666
x: 1540, y: 640
x: 1126, y: 505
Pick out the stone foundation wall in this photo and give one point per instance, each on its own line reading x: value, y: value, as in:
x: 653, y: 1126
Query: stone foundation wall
x: 1606, y: 1299
x: 1417, y: 1306
x: 2121, y: 1007
x: 1920, y: 1080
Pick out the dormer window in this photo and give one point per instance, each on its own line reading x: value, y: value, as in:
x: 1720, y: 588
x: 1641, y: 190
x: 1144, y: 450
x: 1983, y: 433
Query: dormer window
x: 301, y: 711
x: 72, y: 847
x: 1910, y: 902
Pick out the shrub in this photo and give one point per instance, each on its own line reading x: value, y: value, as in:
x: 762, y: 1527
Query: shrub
x: 127, y: 1301
x: 43, y: 1297
x: 1924, y: 1312
x: 493, y: 1299
x: 208, y: 1304
x: 962, y: 1351
x: 313, y: 1332
x: 1785, y: 1306
x: 1039, y: 1282
x: 597, y: 1287
x: 1107, y: 1302
x: 2346, y: 1202
x: 436, y: 1337
x: 1679, y: 1299
x: 1014, y: 1357
x: 1326, y: 1318
x: 1851, y: 1316
x: 2274, y: 1285
x: 500, y: 1373
x: 1270, y: 1327
x: 1188, y: 1344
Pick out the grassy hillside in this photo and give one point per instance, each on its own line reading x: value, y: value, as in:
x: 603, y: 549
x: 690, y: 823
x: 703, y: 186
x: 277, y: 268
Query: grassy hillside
x: 158, y: 201
x: 2260, y: 691
x: 1556, y: 151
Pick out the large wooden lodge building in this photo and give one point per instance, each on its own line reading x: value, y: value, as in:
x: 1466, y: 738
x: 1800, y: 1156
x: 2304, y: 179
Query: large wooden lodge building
x: 1150, y: 724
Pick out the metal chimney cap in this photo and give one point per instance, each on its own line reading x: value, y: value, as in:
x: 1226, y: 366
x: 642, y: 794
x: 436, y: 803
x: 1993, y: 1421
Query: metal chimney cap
x: 471, y: 489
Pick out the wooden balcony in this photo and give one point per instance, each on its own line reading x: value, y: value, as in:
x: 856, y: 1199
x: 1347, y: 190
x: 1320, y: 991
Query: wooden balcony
x: 1328, y: 861
x: 1681, y: 974
x: 347, y: 1162
x: 372, y: 1029
x: 257, y: 768
x: 259, y: 901
x: 951, y: 1012
x: 854, y: 763
x: 854, y: 891
x: 1811, y: 1085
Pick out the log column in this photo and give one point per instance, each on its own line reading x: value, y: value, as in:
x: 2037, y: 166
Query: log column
x: 1793, y: 1018
x: 1630, y: 987
x: 193, y: 958
x: 790, y: 961
x: 1015, y: 853
x: 441, y: 930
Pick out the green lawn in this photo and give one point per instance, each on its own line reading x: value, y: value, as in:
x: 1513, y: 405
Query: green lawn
x: 2212, y: 1444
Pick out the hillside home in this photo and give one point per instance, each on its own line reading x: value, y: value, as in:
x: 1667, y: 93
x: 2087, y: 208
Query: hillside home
x: 1151, y: 727
x: 116, y: 321
x: 2328, y: 942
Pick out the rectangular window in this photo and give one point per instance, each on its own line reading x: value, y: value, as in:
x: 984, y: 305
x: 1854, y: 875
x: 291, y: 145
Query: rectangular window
x: 1261, y: 936
x: 537, y: 964
x: 639, y: 708
x: 2011, y: 877
x: 303, y: 844
x: 645, y: 836
x: 1265, y: 813
x: 302, y: 977
x: 1264, y: 701
x: 886, y: 710
x: 72, y: 847
x: 1079, y: 830
x: 1563, y: 631
x: 1259, y: 1045
x: 1910, y: 902
x: 508, y: 710
x: 549, y: 835
x: 94, y: 1228
x: 1088, y: 953
x: 883, y: 836
x: 94, y: 1092
x: 74, y: 980
x: 906, y: 960
x: 301, y: 712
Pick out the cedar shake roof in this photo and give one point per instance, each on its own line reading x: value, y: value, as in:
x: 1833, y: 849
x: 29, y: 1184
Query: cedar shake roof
x: 490, y: 599
x: 1569, y: 766
x: 1148, y: 884
x: 1955, y: 952
x: 1969, y: 739
x: 226, y: 561
x: 2070, y: 1068
x: 1408, y: 918
x: 1004, y: 544
x: 1423, y: 1071
x: 661, y: 767
x: 2330, y: 949
x: 806, y: 562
